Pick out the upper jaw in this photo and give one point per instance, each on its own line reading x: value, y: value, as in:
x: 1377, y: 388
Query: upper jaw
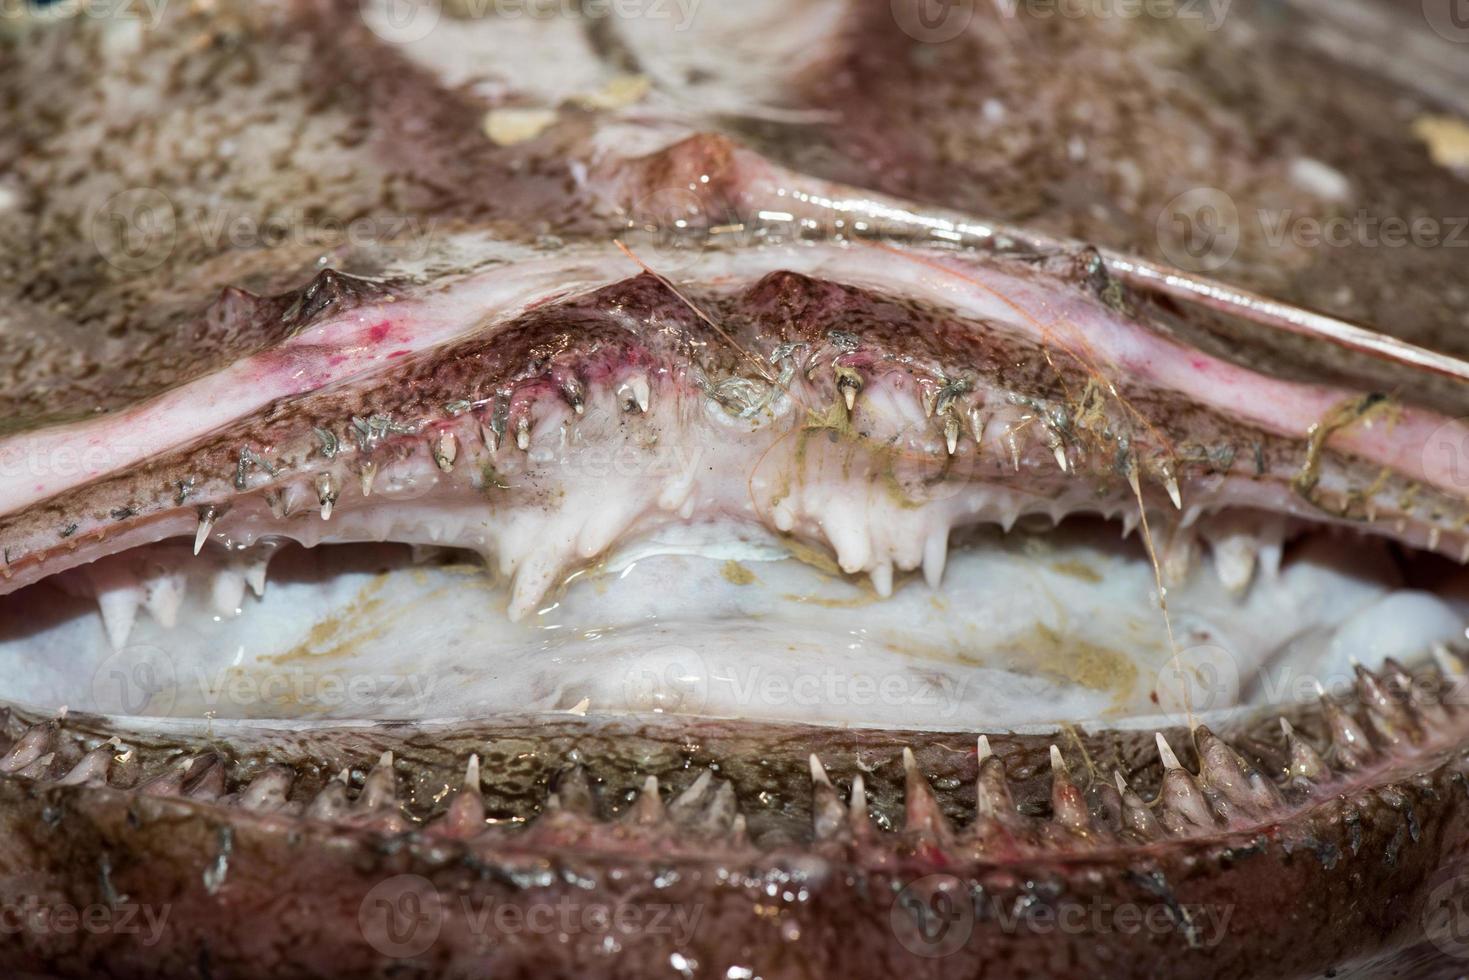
x: 973, y: 371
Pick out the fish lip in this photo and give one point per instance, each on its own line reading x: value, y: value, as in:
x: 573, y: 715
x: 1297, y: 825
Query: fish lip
x: 157, y: 849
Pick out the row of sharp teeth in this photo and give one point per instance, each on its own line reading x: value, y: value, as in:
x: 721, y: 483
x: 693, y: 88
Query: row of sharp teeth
x: 1229, y: 792
x: 159, y: 582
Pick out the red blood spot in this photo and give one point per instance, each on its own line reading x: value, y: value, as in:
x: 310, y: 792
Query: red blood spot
x: 397, y: 353
x: 379, y: 331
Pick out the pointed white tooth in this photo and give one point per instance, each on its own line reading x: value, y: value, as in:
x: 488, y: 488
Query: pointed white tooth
x: 119, y: 610
x: 935, y: 557
x: 119, y: 593
x: 365, y: 475
x: 227, y: 591
x: 1171, y: 483
x: 1165, y: 752
x: 984, y: 750
x: 1270, y: 546
x: 977, y: 423
x: 1234, y: 549
x: 255, y: 571
x: 1179, y: 557
x: 1234, y: 563
x: 882, y: 580
x: 641, y: 391
x: 818, y: 771
x: 326, y: 494
x: 206, y: 527
x: 522, y: 433
x: 1435, y: 536
x: 163, y: 594
x: 951, y: 434
x: 1058, y: 762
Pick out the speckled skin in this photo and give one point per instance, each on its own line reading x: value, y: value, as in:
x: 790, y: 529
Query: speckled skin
x: 260, y: 110
x: 1339, y: 884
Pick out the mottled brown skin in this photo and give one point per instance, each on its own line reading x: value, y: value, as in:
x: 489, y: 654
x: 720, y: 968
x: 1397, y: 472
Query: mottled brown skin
x: 1159, y: 106
x: 641, y: 324
x: 1340, y: 885
x: 1337, y: 888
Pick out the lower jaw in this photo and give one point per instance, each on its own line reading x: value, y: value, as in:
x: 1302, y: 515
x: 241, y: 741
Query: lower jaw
x: 294, y: 846
x: 363, y: 864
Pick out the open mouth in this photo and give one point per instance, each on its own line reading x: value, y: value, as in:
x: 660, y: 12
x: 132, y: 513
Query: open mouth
x: 624, y: 550
x: 786, y: 553
x: 909, y: 589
